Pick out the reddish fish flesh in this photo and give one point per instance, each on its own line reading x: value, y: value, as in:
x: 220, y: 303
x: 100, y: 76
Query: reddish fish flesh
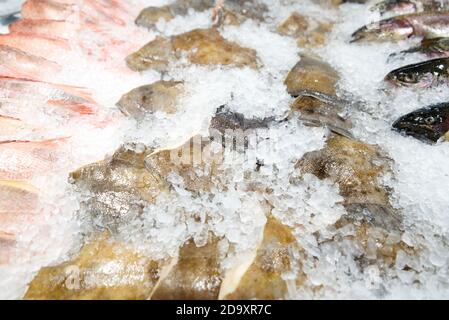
x: 23, y: 159
x: 38, y: 88
x: 20, y: 64
x: 37, y: 45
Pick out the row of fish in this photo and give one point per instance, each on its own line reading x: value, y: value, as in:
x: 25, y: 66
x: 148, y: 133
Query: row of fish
x: 135, y: 176
x: 117, y: 190
x: 197, y: 272
x: 427, y: 19
x: 41, y: 105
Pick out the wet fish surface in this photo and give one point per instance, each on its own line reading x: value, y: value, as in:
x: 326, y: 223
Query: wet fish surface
x: 311, y: 76
x: 410, y: 6
x: 433, y: 48
x: 428, y: 24
x: 145, y: 100
x: 428, y: 124
x: 420, y: 75
x: 232, y: 12
x: 356, y: 167
x: 202, y: 46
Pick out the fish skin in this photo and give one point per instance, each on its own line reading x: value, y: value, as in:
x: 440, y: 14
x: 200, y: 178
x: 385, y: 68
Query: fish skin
x: 108, y: 270
x: 18, y: 206
x: 7, y: 244
x: 232, y: 12
x: 203, y: 47
x: 357, y: 168
x: 225, y: 119
x: 311, y: 76
x: 83, y: 12
x: 149, y: 16
x: 40, y: 46
x: 15, y: 63
x: 420, y: 75
x: 428, y: 124
x: 29, y: 67
x: 433, y: 48
x: 195, y: 276
x: 17, y: 96
x: 21, y: 160
x: 427, y: 24
x: 45, y: 9
x: 263, y: 279
x: 158, y: 96
x: 28, y: 89
x: 409, y: 6
x: 315, y: 112
x: 16, y: 197
x: 121, y: 185
x: 54, y: 29
x: 10, y: 126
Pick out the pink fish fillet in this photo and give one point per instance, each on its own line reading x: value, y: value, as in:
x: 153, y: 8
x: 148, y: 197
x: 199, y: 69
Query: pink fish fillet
x: 35, y: 58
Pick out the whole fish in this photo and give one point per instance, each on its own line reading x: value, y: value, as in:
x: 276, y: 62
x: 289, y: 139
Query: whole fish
x: 409, y: 6
x: 225, y: 119
x: 420, y: 75
x: 427, y: 124
x: 230, y: 12
x: 434, y: 48
x: 356, y: 167
x: 44, y: 95
x: 428, y: 24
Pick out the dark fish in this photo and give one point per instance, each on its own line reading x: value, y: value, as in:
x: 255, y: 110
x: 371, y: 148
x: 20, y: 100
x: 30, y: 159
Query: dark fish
x: 410, y: 6
x: 420, y: 75
x: 225, y: 119
x: 434, y: 48
x: 426, y: 24
x: 427, y: 124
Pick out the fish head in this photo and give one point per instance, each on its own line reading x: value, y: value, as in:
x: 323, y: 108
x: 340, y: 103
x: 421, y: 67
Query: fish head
x: 411, y: 76
x: 396, y: 6
x: 385, y: 30
x: 426, y: 124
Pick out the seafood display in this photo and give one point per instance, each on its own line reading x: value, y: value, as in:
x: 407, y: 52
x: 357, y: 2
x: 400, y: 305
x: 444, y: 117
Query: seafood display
x: 224, y: 150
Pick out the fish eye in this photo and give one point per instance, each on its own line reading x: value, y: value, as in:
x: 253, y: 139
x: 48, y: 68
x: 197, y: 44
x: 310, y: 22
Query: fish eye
x: 429, y: 120
x: 407, y: 77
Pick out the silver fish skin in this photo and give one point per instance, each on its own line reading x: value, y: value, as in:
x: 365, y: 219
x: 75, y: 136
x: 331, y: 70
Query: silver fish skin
x: 410, y: 6
x: 428, y: 25
x: 428, y: 124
